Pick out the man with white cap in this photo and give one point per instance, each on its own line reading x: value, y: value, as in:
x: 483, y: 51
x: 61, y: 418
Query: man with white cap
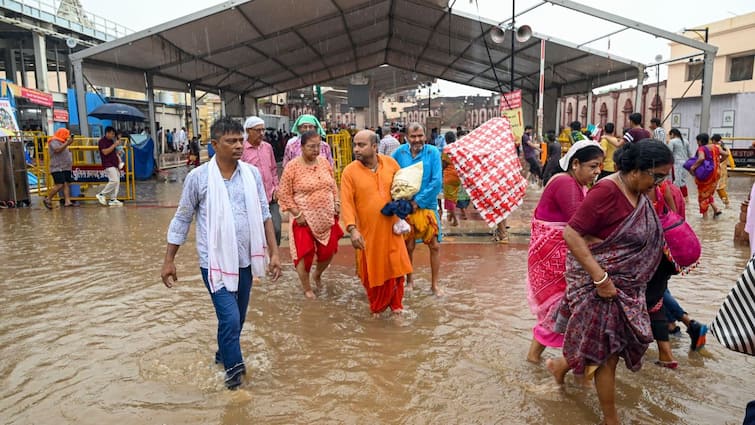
x: 260, y: 154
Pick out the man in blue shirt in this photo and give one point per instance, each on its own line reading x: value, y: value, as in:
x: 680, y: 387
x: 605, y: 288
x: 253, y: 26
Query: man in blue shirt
x: 424, y: 220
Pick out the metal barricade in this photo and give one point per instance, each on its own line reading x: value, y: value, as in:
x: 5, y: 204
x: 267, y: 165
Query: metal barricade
x: 342, y: 151
x: 87, y: 169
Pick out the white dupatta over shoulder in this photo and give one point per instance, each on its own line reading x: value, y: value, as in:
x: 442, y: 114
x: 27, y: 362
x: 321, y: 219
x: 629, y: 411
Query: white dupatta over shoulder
x: 222, y: 245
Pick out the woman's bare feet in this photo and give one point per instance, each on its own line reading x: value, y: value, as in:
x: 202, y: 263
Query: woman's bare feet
x: 558, y: 368
x: 536, y: 350
x: 310, y: 295
x: 438, y: 291
x: 317, y: 280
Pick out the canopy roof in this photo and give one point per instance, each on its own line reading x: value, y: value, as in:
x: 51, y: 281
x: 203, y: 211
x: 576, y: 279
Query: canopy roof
x: 262, y: 47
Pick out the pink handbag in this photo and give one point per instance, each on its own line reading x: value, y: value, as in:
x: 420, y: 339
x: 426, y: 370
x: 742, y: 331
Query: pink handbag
x: 682, y: 246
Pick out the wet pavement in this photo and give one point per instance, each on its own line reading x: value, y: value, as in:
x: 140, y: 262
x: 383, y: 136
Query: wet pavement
x: 89, y: 335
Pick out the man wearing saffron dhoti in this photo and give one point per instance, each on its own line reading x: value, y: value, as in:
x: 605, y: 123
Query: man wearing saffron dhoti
x: 382, y: 259
x: 235, y: 238
x: 424, y: 221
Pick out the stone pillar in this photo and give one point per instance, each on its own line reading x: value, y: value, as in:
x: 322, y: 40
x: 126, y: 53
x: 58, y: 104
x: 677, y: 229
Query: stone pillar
x: 40, y: 74
x: 11, y: 67
x: 740, y: 235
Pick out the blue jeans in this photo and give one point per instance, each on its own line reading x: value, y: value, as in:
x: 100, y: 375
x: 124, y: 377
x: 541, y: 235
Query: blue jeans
x: 230, y: 308
x: 674, y: 311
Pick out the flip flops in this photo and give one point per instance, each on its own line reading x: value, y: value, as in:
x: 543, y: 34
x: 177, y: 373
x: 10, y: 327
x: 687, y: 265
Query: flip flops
x: 668, y: 365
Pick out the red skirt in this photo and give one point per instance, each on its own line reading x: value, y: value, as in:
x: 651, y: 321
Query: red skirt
x: 307, y: 246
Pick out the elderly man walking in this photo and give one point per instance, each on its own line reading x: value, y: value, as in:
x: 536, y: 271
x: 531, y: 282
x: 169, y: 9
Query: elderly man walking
x: 424, y: 220
x: 233, y: 232
x: 382, y: 260
x: 259, y: 153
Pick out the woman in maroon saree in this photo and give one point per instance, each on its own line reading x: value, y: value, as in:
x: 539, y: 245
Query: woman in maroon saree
x: 615, y: 242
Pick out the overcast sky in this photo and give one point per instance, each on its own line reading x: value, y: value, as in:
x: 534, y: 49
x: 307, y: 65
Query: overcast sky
x: 671, y: 15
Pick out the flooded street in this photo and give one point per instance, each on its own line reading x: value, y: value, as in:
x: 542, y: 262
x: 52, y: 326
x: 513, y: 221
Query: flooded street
x: 89, y: 334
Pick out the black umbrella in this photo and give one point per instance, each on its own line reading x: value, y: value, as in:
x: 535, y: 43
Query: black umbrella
x: 117, y: 112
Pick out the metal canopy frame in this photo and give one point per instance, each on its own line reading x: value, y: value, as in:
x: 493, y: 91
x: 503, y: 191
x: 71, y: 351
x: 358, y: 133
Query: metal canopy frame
x: 252, y: 49
x: 709, y: 50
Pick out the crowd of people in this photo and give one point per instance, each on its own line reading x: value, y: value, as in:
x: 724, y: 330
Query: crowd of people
x: 599, y: 261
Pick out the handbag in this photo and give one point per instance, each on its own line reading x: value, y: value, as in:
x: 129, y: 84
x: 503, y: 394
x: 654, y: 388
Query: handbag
x: 705, y: 169
x: 682, y: 246
x: 734, y: 325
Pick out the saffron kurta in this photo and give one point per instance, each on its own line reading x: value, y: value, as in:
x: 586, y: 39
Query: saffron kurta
x: 363, y: 194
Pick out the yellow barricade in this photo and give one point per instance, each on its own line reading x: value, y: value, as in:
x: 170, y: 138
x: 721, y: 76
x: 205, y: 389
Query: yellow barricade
x: 87, y: 169
x: 340, y: 144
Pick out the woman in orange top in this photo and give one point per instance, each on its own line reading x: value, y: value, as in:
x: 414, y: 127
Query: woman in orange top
x: 308, y: 192
x: 707, y: 188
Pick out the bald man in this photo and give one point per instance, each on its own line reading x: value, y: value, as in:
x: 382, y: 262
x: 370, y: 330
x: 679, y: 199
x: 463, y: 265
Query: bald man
x: 382, y: 259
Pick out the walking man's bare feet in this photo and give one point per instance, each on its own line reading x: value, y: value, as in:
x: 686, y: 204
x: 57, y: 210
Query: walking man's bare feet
x: 310, y: 295
x: 438, y: 291
x: 558, y: 368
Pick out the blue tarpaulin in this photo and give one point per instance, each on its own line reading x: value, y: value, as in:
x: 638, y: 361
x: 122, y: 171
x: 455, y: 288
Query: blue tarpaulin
x: 144, y: 162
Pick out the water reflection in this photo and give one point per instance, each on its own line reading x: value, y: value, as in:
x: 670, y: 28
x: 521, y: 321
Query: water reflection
x: 88, y: 334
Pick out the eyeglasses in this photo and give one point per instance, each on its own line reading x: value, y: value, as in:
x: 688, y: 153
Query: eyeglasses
x: 657, y: 177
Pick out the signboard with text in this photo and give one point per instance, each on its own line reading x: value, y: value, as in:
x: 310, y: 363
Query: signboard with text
x: 60, y: 115
x: 91, y: 174
x: 7, y: 118
x: 511, y: 108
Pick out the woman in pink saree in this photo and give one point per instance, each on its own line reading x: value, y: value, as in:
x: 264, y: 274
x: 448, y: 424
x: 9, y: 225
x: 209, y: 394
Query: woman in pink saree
x: 546, y: 260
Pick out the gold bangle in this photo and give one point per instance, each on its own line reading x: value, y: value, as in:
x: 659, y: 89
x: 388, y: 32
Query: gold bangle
x: 298, y: 215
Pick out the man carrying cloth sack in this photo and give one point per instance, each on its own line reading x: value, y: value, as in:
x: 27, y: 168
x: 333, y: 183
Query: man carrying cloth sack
x: 424, y: 220
x: 382, y: 260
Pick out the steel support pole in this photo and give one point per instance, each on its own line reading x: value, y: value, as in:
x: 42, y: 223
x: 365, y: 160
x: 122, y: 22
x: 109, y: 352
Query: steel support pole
x: 193, y: 101
x: 638, y: 91
x: 150, y: 81
x: 707, y: 91
x: 589, y: 104
x: 81, y: 101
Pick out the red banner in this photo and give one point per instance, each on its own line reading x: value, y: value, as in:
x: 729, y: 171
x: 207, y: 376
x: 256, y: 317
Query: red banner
x: 37, y: 97
x: 60, y: 115
x: 511, y: 100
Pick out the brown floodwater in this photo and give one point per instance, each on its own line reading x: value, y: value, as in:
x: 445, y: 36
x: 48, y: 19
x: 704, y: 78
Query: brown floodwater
x: 89, y: 335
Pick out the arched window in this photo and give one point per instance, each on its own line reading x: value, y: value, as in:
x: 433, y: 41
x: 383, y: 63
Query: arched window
x: 468, y: 120
x: 483, y: 116
x: 657, y: 107
x: 603, y: 114
x: 474, y: 118
x: 627, y: 110
x: 583, y: 115
x: 569, y: 114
